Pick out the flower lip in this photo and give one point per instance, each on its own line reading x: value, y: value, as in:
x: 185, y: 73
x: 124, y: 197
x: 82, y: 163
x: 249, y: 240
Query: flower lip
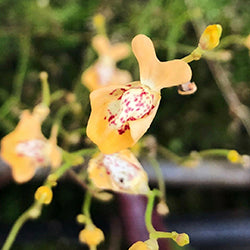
x: 187, y: 88
x: 134, y: 103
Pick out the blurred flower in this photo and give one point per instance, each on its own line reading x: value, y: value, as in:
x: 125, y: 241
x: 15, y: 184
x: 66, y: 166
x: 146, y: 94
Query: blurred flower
x: 25, y: 149
x: 120, y: 172
x: 247, y: 42
x: 44, y: 194
x: 210, y: 38
x: 121, y: 114
x: 150, y: 244
x: 104, y: 71
x: 91, y: 235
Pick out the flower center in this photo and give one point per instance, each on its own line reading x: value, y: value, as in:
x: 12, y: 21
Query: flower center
x: 133, y: 104
x: 33, y: 148
x: 122, y: 172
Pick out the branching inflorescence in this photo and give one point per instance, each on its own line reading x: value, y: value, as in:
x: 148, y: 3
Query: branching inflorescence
x: 121, y: 113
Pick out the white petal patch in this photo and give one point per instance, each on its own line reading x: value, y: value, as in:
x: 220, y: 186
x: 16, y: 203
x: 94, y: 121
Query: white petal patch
x: 133, y: 104
x: 122, y: 172
x: 105, y: 70
x: 34, y: 149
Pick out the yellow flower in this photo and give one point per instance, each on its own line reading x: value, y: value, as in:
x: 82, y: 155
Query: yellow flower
x: 91, y: 235
x: 121, y: 114
x: 234, y: 156
x: 120, y: 172
x: 25, y: 149
x: 210, y: 38
x: 150, y: 244
x: 44, y: 194
x: 104, y: 71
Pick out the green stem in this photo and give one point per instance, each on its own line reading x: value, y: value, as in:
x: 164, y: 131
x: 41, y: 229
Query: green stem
x: 149, y: 210
x: 195, y: 55
x: 15, y: 229
x: 158, y: 234
x: 213, y: 152
x: 86, y: 207
x: 28, y: 214
x: 169, y: 154
x: 232, y: 39
x: 35, y: 207
x: 45, y: 92
x: 159, y: 176
x: 24, y: 52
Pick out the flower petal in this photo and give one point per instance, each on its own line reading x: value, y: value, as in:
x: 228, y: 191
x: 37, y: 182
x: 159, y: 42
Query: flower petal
x: 156, y: 74
x: 119, y: 51
x: 101, y: 44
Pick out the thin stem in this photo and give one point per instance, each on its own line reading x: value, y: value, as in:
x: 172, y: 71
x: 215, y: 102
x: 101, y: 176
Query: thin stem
x: 86, y: 207
x: 213, y: 152
x: 45, y: 91
x: 15, y: 229
x: 168, y: 154
x: 149, y: 210
x: 24, y: 51
x: 159, y: 176
x: 194, y: 55
x: 231, y: 39
x: 28, y: 214
x: 35, y: 207
x: 159, y: 234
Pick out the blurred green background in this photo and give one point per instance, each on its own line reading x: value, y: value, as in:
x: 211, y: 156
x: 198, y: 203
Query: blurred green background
x: 55, y: 36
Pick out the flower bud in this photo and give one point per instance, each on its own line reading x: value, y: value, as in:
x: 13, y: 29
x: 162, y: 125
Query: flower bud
x: 91, y: 235
x: 181, y: 239
x: 234, y: 156
x: 162, y: 208
x: 210, y: 38
x: 150, y: 244
x: 44, y: 195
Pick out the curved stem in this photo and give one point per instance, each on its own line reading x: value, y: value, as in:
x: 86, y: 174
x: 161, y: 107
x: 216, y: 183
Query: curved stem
x: 159, y: 176
x: 28, y: 214
x: 35, y: 209
x: 24, y: 51
x: 149, y: 210
x: 15, y: 229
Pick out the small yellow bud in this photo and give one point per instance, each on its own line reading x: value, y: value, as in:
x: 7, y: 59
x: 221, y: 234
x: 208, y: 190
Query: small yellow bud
x: 162, y: 208
x: 181, y: 239
x: 70, y: 97
x: 91, y: 235
x: 150, y: 244
x: 234, y: 156
x: 99, y: 20
x: 44, y: 195
x: 210, y: 38
x: 81, y: 218
x: 34, y: 213
x: 139, y: 245
x: 43, y: 76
